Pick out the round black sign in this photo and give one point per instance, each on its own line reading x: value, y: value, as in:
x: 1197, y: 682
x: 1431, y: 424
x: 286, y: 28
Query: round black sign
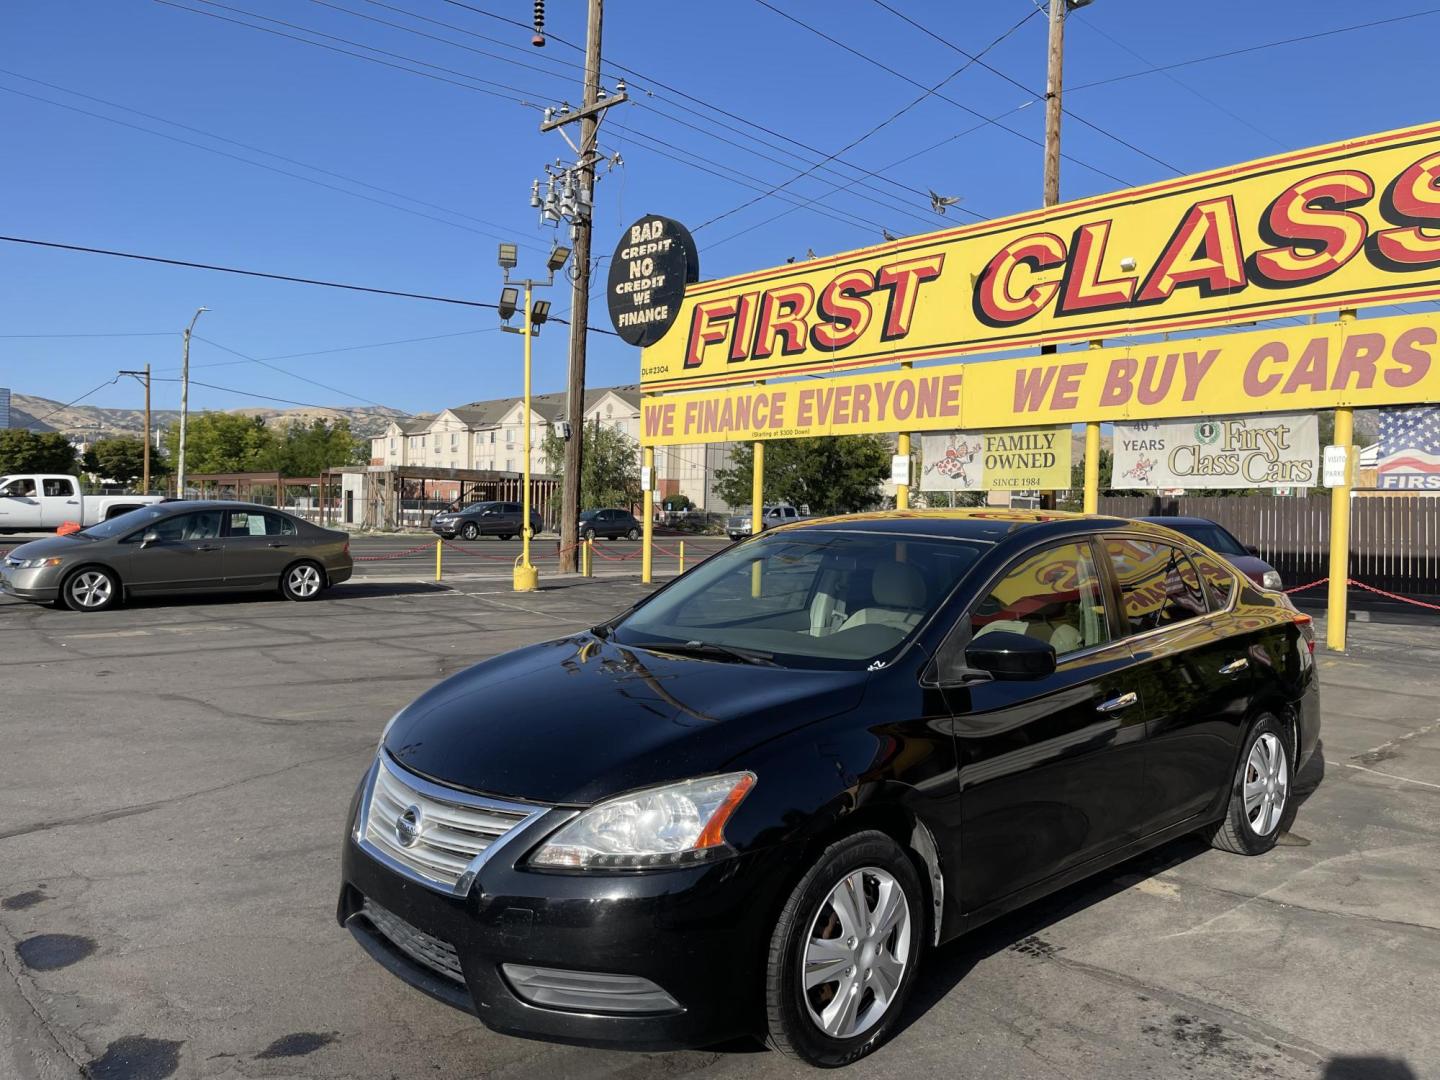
x: 653, y: 262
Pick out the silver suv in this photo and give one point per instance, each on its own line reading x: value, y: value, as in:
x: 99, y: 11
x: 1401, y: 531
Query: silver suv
x: 739, y: 523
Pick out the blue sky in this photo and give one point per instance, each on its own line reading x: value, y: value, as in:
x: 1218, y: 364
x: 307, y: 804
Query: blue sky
x: 466, y: 157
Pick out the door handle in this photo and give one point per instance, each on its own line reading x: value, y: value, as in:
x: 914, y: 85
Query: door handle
x: 276, y: 544
x: 206, y: 547
x: 1235, y: 666
x: 1115, y: 704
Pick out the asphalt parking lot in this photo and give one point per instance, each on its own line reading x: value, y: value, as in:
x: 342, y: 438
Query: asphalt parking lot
x: 175, y: 775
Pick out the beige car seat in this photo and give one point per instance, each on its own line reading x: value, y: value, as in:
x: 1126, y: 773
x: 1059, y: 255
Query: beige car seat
x: 898, y: 594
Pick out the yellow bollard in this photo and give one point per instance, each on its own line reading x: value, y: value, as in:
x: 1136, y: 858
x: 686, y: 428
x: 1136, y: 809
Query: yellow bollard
x: 439, y: 546
x: 682, y: 556
x: 588, y: 553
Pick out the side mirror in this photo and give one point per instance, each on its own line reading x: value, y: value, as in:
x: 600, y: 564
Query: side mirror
x: 149, y: 539
x: 1253, y: 550
x: 1007, y: 655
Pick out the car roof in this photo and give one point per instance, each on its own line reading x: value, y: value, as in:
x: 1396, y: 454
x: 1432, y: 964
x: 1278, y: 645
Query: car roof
x: 989, y: 524
x: 1173, y: 521
x: 214, y: 504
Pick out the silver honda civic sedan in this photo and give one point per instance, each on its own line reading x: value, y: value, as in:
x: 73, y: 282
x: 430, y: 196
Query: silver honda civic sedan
x: 179, y: 547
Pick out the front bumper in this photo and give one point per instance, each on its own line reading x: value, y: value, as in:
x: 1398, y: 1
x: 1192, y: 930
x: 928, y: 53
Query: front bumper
x: 447, y: 530
x: 699, y: 933
x: 40, y: 585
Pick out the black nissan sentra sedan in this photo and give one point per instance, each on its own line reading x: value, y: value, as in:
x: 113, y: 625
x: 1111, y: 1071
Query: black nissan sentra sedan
x: 748, y: 804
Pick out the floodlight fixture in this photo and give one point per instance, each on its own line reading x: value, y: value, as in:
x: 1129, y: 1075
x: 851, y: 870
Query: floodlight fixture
x: 559, y: 256
x: 509, y: 299
x: 509, y: 256
x: 539, y: 312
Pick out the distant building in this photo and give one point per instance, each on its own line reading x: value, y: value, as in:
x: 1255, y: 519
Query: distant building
x: 4, y: 407
x: 490, y: 435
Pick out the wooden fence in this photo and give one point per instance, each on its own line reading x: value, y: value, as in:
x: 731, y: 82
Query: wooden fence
x: 1394, y: 541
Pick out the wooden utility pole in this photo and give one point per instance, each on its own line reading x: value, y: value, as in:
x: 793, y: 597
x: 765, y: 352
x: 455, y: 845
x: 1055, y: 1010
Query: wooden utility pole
x: 580, y: 295
x: 145, y: 475
x: 1053, y: 73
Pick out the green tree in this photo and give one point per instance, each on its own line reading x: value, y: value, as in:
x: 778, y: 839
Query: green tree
x: 217, y: 442
x: 609, y: 466
x: 25, y: 451
x: 121, y: 459
x: 832, y: 474
x: 677, y: 502
x: 309, y: 449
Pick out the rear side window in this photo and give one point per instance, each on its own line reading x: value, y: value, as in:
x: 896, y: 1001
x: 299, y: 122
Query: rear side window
x: 1159, y: 584
x: 1220, y: 580
x: 511, y: 508
x: 1054, y: 595
x: 256, y: 523
x: 59, y: 487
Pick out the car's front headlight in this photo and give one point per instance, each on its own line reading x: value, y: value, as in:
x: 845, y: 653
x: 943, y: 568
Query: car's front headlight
x: 1271, y: 580
x: 674, y: 825
x: 36, y: 564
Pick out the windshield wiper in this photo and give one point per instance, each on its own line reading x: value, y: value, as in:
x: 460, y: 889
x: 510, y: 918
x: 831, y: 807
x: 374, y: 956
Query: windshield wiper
x: 707, y: 649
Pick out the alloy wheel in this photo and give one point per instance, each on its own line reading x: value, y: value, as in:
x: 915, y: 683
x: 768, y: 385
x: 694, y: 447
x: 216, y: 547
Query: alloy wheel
x: 304, y: 581
x: 1267, y: 784
x: 856, y: 951
x: 91, y: 589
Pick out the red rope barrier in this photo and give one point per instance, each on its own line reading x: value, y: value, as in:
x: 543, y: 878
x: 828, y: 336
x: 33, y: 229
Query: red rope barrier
x: 1393, y: 596
x: 1302, y: 588
x: 391, y: 554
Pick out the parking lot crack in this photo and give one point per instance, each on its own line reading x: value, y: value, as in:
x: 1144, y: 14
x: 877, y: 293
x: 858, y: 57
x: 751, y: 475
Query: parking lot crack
x: 52, y: 1031
x: 101, y: 816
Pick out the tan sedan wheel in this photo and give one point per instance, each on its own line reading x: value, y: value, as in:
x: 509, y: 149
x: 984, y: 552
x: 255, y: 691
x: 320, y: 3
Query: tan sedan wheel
x: 303, y: 581
x: 91, y: 589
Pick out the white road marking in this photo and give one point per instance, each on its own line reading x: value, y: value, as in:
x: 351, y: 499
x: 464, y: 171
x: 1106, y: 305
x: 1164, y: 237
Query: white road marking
x: 1391, y: 776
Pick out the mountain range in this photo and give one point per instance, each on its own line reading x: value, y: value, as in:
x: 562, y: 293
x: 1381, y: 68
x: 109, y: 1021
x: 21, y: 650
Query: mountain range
x: 94, y: 421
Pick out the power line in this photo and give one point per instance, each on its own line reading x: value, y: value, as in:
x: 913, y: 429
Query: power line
x: 265, y: 397
x: 158, y: 333
x: 943, y: 97
x: 615, y: 66
x: 244, y: 146
x: 291, y: 374
x: 82, y: 397
x: 346, y: 52
x: 259, y: 165
x: 1015, y: 82
x: 347, y: 348
x: 1255, y: 48
x: 883, y: 124
x: 268, y: 276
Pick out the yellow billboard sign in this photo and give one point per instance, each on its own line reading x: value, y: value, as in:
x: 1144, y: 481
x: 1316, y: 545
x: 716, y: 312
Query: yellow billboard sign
x: 1363, y: 363
x: 1342, y: 225
x: 889, y: 401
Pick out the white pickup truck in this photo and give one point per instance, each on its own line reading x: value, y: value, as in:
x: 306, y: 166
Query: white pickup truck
x: 30, y: 501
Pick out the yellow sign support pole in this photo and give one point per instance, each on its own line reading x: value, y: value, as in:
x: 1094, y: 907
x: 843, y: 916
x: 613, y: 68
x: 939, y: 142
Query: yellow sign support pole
x: 902, y: 449
x: 647, y: 534
x: 757, y: 509
x: 526, y: 577
x: 1336, y: 609
x: 1092, y: 459
x: 438, y: 544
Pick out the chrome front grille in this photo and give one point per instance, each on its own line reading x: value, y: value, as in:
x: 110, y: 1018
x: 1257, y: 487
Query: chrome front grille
x: 439, y: 956
x: 436, y: 835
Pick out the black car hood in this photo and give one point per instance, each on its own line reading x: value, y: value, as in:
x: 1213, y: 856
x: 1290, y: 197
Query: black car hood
x: 579, y: 719
x: 49, y: 547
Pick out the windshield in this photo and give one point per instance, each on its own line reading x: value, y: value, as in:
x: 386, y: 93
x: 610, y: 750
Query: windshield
x: 122, y: 524
x: 819, y: 599
x: 1212, y: 536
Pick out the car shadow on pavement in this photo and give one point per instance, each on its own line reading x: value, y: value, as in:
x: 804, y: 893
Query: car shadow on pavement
x: 1368, y: 1068
x: 350, y: 590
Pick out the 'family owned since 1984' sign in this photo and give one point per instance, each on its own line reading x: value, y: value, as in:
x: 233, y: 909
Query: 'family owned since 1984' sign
x: 654, y: 261
x: 1277, y: 450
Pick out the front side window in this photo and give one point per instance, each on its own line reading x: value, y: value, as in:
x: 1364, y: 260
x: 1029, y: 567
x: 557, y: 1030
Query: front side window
x: 1159, y: 584
x: 21, y: 486
x: 1054, y: 595
x: 1220, y: 580
x: 834, y: 600
x: 201, y: 525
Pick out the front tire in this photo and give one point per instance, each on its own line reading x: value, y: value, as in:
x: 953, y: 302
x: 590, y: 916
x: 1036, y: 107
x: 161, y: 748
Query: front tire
x: 92, y: 588
x: 1259, y: 793
x: 302, y: 582
x: 844, y: 953
x: 471, y: 531
x: 588, y: 534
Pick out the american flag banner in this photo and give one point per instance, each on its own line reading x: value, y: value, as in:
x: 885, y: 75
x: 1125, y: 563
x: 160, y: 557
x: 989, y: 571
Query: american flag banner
x: 1409, y: 449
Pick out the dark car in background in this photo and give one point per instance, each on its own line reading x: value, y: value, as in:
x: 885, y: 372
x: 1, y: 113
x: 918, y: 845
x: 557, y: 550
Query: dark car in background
x: 611, y: 524
x: 180, y: 547
x: 747, y: 805
x: 479, y: 519
x: 1221, y: 540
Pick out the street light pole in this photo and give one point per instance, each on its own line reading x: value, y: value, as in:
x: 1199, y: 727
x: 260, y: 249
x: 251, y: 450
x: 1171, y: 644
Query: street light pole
x: 145, y: 473
x: 185, y: 405
x: 531, y: 576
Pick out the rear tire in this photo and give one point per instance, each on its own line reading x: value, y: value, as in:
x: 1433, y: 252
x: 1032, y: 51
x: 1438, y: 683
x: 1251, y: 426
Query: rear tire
x: 633, y: 534
x: 91, y: 588
x: 853, y: 929
x: 302, y: 582
x: 1259, y: 792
